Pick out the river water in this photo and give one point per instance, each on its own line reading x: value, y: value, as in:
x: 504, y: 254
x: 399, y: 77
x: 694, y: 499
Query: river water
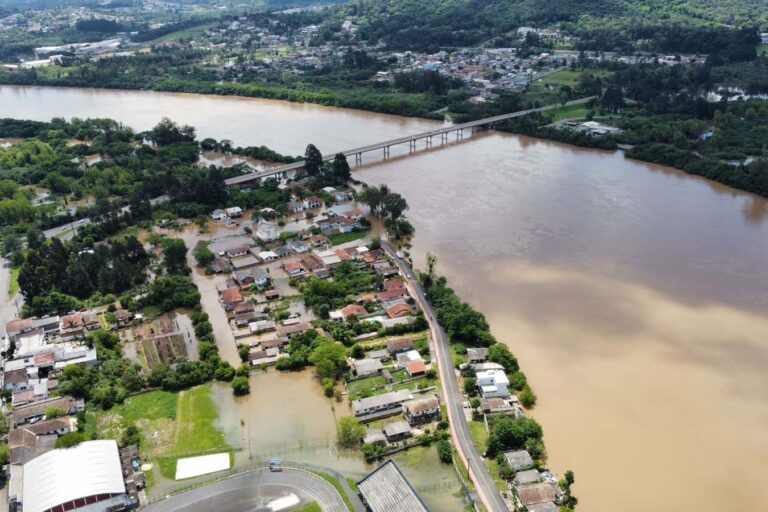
x: 635, y: 296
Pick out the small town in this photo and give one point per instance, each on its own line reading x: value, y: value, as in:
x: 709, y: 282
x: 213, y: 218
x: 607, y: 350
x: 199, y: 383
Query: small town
x: 317, y: 278
x: 382, y: 255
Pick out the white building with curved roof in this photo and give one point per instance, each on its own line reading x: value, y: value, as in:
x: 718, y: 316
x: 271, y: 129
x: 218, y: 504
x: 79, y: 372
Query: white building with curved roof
x: 86, y: 477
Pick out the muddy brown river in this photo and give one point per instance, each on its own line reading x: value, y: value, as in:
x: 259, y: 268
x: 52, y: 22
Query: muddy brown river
x: 635, y: 296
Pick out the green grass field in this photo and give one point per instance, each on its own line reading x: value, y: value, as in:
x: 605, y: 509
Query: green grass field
x: 565, y: 77
x: 172, y: 425
x: 13, y: 286
x: 762, y: 49
x: 343, y: 238
x: 568, y: 112
x: 188, y: 33
x: 196, y: 431
x: 150, y: 406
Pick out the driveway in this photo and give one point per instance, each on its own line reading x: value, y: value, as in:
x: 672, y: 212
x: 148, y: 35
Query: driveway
x: 256, y: 491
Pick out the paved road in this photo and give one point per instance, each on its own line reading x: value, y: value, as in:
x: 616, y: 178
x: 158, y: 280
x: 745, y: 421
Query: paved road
x: 478, y: 471
x: 253, y: 492
x: 279, y: 170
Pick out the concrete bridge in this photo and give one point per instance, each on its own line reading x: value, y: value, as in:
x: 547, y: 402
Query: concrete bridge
x: 283, y: 171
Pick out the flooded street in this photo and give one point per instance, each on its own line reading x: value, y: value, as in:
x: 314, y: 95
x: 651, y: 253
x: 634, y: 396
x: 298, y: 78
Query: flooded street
x: 287, y: 416
x: 635, y: 296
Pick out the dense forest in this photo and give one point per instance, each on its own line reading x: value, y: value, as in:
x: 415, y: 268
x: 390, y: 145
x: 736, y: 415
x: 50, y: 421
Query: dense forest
x: 416, y: 24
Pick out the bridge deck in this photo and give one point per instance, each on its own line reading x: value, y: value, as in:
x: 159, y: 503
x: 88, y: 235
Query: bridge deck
x: 245, y: 178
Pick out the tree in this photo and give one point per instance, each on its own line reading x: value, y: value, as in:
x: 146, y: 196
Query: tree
x: 350, y: 431
x: 203, y: 255
x: 358, y: 352
x: 52, y: 413
x: 513, y: 434
x: 241, y: 386
x: 527, y: 397
x: 341, y: 168
x: 243, y: 351
x: 444, y: 451
x: 130, y: 436
x: 568, y: 501
x: 329, y: 386
x: 500, y: 353
x: 70, y: 439
x: 330, y: 359
x: 313, y: 160
x: 431, y: 265
x: 469, y: 385
x: 393, y: 207
x: 167, y: 132
x: 175, y: 256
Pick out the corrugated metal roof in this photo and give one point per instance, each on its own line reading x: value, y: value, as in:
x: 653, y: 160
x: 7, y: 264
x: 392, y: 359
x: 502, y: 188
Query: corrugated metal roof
x: 387, y: 490
x: 63, y: 475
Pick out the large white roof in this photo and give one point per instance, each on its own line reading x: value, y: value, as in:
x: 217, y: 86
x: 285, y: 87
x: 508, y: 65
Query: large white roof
x: 66, y: 474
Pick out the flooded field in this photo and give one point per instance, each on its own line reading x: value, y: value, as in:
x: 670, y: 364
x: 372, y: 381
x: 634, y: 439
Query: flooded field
x: 288, y: 417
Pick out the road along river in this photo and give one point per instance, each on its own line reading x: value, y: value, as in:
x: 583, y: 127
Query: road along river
x: 635, y: 296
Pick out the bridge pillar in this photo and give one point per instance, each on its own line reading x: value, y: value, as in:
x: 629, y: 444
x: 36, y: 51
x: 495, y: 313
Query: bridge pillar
x: 358, y: 158
x: 429, y: 141
x: 460, y: 133
x: 386, y: 151
x: 444, y: 137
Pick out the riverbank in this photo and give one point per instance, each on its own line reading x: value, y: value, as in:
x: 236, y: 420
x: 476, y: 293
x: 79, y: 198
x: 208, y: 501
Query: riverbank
x: 752, y: 178
x: 594, y: 268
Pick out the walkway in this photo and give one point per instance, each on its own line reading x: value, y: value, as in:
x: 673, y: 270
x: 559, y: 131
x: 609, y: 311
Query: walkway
x: 411, y: 139
x: 478, y: 471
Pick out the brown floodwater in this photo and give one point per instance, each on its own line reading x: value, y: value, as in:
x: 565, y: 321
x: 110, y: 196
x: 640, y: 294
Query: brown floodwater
x: 287, y: 416
x: 635, y: 296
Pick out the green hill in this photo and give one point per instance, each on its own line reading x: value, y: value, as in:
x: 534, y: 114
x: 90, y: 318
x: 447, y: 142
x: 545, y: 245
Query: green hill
x: 419, y: 23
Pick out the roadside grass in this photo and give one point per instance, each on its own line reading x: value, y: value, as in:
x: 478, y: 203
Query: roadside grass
x: 342, y: 238
x: 480, y: 437
x: 13, y: 285
x: 762, y: 50
x: 310, y: 507
x: 479, y: 434
x: 334, y: 482
x: 187, y: 33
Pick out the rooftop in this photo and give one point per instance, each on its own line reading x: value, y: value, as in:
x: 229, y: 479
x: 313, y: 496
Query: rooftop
x: 386, y: 489
x: 61, y: 476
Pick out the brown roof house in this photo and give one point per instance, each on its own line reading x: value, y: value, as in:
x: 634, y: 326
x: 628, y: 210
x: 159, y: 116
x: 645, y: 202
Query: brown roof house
x: 422, y: 410
x: 401, y: 345
x: 230, y: 297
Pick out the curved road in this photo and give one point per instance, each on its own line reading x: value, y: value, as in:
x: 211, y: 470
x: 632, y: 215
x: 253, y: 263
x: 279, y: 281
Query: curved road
x: 253, y: 492
x: 478, y: 471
